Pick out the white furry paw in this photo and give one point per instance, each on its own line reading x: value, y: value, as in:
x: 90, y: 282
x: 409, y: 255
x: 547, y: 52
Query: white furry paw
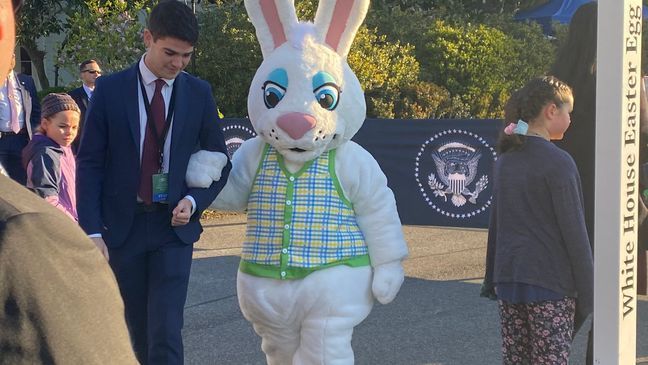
x: 387, y: 281
x: 204, y: 168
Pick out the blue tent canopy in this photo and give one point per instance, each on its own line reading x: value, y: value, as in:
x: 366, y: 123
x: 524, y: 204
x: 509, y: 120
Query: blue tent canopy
x: 555, y: 11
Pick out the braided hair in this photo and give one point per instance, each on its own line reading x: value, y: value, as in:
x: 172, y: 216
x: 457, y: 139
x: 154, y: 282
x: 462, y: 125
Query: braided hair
x: 527, y: 103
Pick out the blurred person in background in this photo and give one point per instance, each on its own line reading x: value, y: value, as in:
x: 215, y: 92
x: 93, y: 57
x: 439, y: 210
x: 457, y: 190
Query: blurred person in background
x: 89, y: 71
x: 19, y: 117
x: 60, y: 301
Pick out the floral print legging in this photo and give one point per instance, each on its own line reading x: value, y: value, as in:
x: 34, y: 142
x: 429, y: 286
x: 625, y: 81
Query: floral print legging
x: 537, y: 333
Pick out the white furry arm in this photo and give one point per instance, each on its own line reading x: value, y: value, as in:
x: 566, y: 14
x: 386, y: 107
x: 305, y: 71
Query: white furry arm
x: 204, y: 168
x: 245, y: 162
x: 365, y: 185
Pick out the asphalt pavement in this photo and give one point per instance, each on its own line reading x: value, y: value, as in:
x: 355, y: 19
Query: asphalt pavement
x: 437, y: 317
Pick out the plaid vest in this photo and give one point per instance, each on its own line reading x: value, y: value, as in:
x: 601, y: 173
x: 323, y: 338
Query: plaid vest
x: 301, y: 222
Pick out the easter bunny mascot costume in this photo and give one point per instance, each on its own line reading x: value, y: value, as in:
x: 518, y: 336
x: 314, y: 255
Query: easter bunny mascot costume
x: 323, y: 233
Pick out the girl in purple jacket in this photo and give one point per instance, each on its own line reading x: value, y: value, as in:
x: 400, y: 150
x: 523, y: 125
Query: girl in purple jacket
x: 48, y: 158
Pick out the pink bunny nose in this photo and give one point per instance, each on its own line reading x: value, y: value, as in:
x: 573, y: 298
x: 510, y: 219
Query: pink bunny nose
x: 296, y: 124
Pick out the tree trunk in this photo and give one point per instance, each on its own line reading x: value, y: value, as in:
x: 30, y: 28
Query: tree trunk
x: 38, y: 59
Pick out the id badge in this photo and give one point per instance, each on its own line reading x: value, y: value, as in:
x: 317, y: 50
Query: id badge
x: 160, y: 188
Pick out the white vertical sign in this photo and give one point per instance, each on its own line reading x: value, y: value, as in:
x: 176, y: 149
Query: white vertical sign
x: 617, y: 174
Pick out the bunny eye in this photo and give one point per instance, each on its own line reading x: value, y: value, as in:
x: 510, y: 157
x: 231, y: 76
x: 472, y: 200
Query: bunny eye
x: 272, y: 94
x: 327, y: 96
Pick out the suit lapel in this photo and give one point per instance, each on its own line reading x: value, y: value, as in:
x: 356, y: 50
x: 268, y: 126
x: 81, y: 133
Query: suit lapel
x: 131, y: 100
x: 84, y: 100
x: 181, y: 113
x: 27, y: 105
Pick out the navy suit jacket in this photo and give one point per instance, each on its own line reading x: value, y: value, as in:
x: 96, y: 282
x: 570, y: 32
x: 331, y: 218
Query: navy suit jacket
x: 81, y: 98
x: 79, y: 95
x: 108, y: 161
x: 33, y: 111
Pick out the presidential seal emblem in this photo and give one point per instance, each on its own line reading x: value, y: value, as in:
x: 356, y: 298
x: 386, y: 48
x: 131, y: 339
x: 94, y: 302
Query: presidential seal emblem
x: 452, y: 173
x: 235, y: 134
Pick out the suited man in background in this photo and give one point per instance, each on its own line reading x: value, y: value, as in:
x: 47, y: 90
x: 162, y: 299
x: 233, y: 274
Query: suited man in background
x: 60, y: 300
x: 19, y: 117
x: 139, y: 211
x: 89, y: 71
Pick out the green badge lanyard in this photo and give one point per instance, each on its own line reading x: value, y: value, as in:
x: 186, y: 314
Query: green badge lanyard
x: 159, y: 139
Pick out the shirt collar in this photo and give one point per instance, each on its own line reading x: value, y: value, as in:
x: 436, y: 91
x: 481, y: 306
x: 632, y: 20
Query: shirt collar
x: 13, y: 75
x: 148, y: 76
x: 88, y: 90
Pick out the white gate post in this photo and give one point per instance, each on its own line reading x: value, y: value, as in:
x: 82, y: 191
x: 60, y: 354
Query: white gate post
x: 617, y: 176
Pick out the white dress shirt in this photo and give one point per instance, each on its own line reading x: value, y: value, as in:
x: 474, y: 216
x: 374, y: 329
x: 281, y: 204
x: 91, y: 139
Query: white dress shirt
x: 149, y: 85
x: 5, y: 107
x: 88, y: 91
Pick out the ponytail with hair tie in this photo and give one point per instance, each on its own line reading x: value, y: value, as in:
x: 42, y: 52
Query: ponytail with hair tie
x: 521, y: 128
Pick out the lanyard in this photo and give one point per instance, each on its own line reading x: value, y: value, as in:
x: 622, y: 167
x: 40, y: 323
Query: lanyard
x: 159, y: 139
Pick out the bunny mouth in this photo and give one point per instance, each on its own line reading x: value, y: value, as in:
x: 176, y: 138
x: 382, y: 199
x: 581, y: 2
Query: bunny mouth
x: 296, y: 149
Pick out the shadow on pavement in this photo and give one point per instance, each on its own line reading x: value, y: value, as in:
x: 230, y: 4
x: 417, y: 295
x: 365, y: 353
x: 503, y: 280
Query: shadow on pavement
x: 430, y: 322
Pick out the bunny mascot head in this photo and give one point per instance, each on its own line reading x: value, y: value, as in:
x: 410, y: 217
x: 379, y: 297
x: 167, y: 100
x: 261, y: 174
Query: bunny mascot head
x: 304, y: 99
x: 323, y: 235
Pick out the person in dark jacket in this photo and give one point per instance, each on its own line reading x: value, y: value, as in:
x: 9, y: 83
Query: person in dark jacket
x: 60, y: 301
x: 89, y: 71
x: 19, y: 116
x: 48, y: 158
x: 142, y: 127
x: 539, y: 263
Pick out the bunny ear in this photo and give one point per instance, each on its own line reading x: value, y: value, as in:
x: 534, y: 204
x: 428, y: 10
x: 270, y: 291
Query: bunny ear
x: 272, y: 20
x: 337, y: 22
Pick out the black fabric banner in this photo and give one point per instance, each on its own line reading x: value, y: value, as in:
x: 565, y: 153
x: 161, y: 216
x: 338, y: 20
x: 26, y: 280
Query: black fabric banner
x: 235, y: 132
x: 439, y: 170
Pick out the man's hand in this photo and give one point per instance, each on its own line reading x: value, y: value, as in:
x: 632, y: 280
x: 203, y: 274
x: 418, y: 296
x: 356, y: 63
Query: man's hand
x: 101, y: 245
x: 181, y: 213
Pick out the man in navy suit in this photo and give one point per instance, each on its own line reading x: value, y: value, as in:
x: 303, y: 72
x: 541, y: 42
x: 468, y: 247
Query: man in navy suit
x: 89, y: 71
x: 139, y: 211
x: 19, y: 117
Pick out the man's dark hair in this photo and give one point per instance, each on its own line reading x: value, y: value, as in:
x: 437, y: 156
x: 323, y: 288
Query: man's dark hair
x: 83, y: 64
x: 173, y: 19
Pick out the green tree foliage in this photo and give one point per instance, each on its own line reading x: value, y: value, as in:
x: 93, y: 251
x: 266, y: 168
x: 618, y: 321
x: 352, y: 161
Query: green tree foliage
x: 425, y: 100
x: 227, y: 54
x: 385, y: 69
x: 488, y: 59
x: 414, y: 58
x: 403, y: 25
x: 109, y: 31
x: 382, y: 68
x: 533, y: 53
x: 461, y: 8
x: 41, y: 18
x: 471, y: 61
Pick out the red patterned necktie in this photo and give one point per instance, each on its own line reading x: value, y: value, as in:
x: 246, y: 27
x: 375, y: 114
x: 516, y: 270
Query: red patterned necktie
x: 150, y: 152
